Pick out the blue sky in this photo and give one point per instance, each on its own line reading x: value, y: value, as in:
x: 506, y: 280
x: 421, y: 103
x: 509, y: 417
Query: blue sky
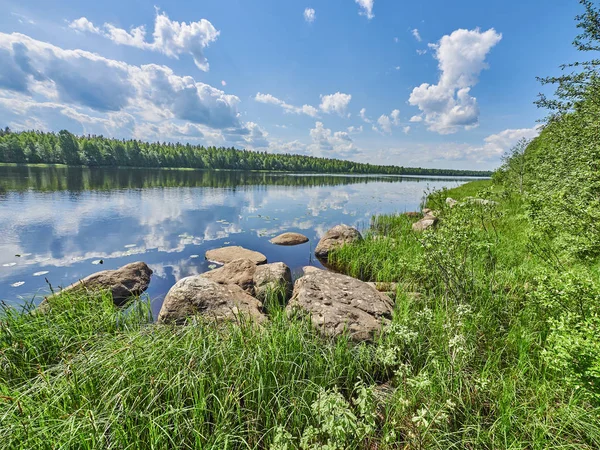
x: 430, y: 83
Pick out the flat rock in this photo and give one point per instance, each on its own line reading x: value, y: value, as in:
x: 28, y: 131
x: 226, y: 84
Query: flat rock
x: 336, y: 237
x: 199, y: 296
x: 128, y: 281
x: 240, y: 272
x: 226, y: 255
x: 270, y: 277
x: 289, y: 239
x: 337, y: 303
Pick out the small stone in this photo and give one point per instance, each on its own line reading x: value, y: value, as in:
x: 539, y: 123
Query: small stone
x: 289, y: 239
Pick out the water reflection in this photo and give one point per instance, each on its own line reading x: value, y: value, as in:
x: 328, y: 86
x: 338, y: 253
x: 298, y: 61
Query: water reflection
x: 62, y: 220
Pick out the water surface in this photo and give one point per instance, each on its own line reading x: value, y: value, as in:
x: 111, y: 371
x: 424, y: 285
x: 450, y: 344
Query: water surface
x: 57, y: 223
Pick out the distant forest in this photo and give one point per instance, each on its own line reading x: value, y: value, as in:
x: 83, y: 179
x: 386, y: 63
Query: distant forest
x: 95, y: 151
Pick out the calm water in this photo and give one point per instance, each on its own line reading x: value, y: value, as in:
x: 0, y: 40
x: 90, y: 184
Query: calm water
x: 62, y: 221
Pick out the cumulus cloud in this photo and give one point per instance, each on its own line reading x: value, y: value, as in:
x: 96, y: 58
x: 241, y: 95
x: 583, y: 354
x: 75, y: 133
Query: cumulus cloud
x: 170, y: 37
x: 366, y: 8
x: 448, y: 105
x: 270, y: 99
x: 385, y: 122
x: 363, y: 115
x: 416, y: 34
x: 416, y: 119
x: 82, y: 24
x: 330, y: 145
x: 496, y: 144
x: 309, y: 15
x: 93, y: 91
x: 337, y: 103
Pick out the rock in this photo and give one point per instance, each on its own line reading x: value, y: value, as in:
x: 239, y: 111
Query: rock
x: 336, y: 237
x: 270, y: 277
x: 226, y: 255
x: 426, y: 211
x: 240, y: 272
x: 451, y: 202
x: 310, y: 269
x: 289, y: 239
x: 199, y: 296
x: 425, y: 223
x: 128, y: 281
x: 338, y: 303
x: 480, y: 201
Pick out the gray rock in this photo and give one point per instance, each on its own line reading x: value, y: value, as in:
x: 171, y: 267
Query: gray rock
x: 426, y: 211
x: 270, y: 277
x: 240, y: 272
x: 310, y: 269
x: 226, y: 255
x: 338, y: 303
x: 199, y: 296
x: 289, y: 239
x: 336, y: 237
x: 126, y: 282
x: 425, y: 223
x: 451, y: 202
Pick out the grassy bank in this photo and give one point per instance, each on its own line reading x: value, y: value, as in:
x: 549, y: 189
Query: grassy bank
x: 467, y: 362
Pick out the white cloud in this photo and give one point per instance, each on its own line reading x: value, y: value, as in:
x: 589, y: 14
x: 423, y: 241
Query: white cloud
x: 385, y: 123
x: 98, y: 94
x: 363, y: 115
x: 223, y: 83
x: 170, y: 37
x: 448, y: 106
x: 355, y: 130
x: 82, y: 24
x: 309, y: 15
x: 330, y: 145
x: 406, y: 129
x: 270, y: 99
x: 416, y: 34
x: 416, y: 119
x: 366, y: 8
x: 421, y: 52
x: 496, y: 144
x: 337, y: 103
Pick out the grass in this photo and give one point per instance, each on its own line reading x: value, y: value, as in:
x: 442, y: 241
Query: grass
x: 462, y: 366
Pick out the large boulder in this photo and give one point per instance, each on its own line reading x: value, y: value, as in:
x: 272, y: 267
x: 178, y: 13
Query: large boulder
x: 199, y: 296
x: 270, y: 277
x: 126, y: 282
x: 337, y: 303
x: 226, y: 255
x: 336, y: 237
x: 289, y: 239
x: 240, y: 272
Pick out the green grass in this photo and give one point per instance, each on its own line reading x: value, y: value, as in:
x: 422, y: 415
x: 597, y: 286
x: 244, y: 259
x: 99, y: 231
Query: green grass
x: 464, y: 364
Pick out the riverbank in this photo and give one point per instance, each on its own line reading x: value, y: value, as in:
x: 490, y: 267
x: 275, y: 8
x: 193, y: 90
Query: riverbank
x: 467, y: 361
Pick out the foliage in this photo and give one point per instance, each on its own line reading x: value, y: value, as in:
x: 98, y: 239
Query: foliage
x: 65, y: 148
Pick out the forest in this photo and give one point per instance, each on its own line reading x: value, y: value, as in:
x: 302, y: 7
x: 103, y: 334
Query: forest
x: 33, y: 147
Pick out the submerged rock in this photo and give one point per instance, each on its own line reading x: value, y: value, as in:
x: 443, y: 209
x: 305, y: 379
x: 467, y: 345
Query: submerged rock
x: 289, y: 239
x: 270, y: 277
x: 226, y: 255
x: 199, y: 296
x: 126, y: 282
x: 240, y: 272
x: 337, y: 303
x: 336, y: 237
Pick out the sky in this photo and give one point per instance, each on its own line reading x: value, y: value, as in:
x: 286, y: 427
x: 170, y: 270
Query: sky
x: 430, y: 83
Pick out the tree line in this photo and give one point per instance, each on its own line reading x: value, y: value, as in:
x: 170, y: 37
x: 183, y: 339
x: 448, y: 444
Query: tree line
x: 31, y: 147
